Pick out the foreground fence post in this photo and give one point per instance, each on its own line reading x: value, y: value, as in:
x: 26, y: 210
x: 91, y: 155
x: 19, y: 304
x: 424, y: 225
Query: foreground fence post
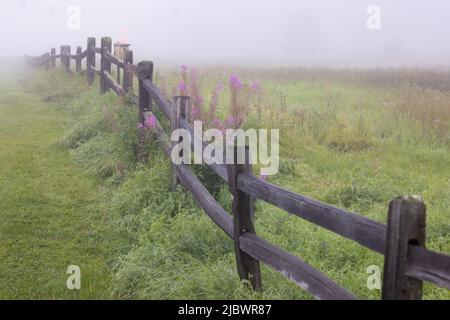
x: 78, y: 60
x: 53, y: 57
x: 105, y: 64
x: 406, y: 225
x: 90, y: 60
x: 127, y: 73
x: 248, y: 268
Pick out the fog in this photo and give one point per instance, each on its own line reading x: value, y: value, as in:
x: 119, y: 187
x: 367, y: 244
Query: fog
x: 255, y: 32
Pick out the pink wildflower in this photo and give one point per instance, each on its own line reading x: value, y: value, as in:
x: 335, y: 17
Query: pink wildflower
x: 256, y: 86
x: 235, y: 82
x: 150, y: 122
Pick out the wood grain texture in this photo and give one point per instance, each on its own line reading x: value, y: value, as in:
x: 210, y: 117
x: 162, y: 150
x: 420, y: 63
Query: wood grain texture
x: 428, y: 266
x: 366, y: 232
x: 293, y: 268
x: 406, y: 225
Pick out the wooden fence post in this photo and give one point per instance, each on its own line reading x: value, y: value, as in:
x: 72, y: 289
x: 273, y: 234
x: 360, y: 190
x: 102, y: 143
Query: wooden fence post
x: 47, y: 61
x: 406, y: 225
x: 174, y: 115
x: 53, y: 57
x: 248, y: 268
x: 145, y: 71
x: 78, y: 60
x: 105, y: 64
x: 67, y: 58
x: 127, y: 73
x: 61, y: 56
x: 181, y: 107
x: 90, y: 60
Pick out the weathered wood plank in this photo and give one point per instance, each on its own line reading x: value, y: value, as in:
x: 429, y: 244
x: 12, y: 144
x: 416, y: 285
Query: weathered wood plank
x: 428, y: 266
x: 219, y: 169
x: 90, y: 59
x: 205, y: 200
x: 127, y: 73
x: 53, y: 57
x: 366, y: 232
x: 145, y: 74
x: 113, y: 84
x: 105, y: 64
x: 406, y: 225
x: 243, y: 211
x: 293, y: 268
x: 78, y: 60
x: 157, y: 97
x: 113, y: 59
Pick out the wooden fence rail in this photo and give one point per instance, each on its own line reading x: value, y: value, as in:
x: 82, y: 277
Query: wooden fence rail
x: 402, y: 241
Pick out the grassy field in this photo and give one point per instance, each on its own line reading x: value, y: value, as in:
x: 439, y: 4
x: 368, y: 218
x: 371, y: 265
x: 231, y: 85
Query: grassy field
x: 353, y: 141
x: 48, y: 208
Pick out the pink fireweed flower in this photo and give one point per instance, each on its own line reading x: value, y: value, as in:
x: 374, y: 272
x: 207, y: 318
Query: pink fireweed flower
x: 198, y: 101
x: 256, y: 86
x: 182, y: 88
x: 195, y: 112
x: 150, y: 122
x: 231, y: 121
x: 184, y: 68
x: 235, y: 82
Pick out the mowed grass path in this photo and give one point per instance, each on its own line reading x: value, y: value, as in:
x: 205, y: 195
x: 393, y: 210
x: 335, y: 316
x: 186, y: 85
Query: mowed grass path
x: 48, y: 207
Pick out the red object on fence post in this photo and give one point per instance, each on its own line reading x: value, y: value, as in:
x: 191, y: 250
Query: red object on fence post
x: 78, y: 60
x: 243, y: 212
x: 90, y: 60
x: 127, y: 73
x: 406, y: 225
x: 105, y: 64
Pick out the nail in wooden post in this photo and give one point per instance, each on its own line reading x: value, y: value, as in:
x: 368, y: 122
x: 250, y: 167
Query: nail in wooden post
x: 127, y: 73
x: 53, y: 57
x: 145, y: 71
x: 90, y: 60
x: 406, y: 225
x: 78, y: 60
x: 105, y: 64
x: 248, y: 268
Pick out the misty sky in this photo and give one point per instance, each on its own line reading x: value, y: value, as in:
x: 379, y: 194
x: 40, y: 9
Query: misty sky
x: 314, y: 32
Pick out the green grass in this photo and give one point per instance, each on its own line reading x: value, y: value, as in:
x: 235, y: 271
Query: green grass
x: 48, y: 209
x: 345, y: 147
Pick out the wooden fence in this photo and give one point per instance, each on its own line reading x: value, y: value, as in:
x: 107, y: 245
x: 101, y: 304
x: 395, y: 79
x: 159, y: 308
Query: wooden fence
x: 407, y: 263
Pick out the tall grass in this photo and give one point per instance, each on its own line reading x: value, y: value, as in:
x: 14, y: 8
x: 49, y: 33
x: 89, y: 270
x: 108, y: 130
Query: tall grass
x: 345, y: 142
